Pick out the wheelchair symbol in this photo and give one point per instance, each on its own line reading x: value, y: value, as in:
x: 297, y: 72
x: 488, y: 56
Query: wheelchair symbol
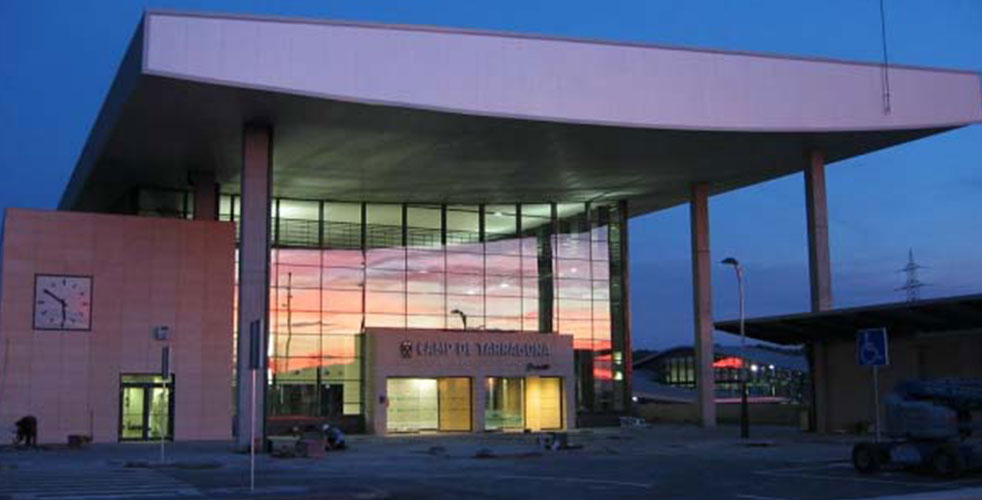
x: 871, y: 349
x: 870, y: 354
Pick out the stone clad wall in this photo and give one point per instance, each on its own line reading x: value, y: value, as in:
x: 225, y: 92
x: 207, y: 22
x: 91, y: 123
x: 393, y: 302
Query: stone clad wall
x: 146, y: 272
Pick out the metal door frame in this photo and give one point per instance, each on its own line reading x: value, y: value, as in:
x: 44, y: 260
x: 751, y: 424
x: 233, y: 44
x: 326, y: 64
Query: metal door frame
x: 146, y: 386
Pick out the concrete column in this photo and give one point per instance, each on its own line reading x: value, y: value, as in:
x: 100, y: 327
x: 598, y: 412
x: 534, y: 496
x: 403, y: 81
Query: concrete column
x: 569, y: 402
x: 818, y: 364
x: 257, y: 158
x: 818, y: 233
x: 820, y: 279
x: 544, y: 266
x: 205, y: 195
x: 625, y: 319
x: 702, y: 302
x: 379, y: 416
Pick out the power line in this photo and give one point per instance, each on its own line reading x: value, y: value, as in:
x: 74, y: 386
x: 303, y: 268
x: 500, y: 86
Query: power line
x: 913, y: 284
x: 886, y: 59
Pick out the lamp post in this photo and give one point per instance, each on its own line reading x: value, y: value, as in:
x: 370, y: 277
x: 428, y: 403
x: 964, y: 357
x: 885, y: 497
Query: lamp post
x: 744, y: 407
x: 463, y: 317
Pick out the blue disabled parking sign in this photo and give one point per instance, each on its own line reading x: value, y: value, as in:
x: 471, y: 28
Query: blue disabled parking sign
x: 871, y: 347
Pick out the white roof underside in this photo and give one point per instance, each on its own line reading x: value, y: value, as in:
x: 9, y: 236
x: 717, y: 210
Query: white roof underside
x: 406, y: 114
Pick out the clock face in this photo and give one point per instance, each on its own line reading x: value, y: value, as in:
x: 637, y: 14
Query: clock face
x: 62, y: 302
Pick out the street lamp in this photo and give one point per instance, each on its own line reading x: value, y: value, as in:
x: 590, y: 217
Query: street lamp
x: 463, y: 317
x: 744, y: 408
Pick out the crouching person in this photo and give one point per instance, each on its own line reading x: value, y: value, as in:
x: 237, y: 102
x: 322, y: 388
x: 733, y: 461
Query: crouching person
x: 333, y: 437
x: 27, y: 431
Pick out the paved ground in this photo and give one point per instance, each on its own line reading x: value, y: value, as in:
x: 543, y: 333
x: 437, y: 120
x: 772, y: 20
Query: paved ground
x: 660, y: 462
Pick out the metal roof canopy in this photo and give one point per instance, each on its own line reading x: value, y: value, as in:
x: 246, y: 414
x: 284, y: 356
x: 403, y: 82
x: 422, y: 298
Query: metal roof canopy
x: 379, y: 113
x: 758, y: 354
x: 950, y: 314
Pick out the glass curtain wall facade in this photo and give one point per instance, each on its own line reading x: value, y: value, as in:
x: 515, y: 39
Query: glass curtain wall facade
x: 339, y: 268
x: 763, y: 380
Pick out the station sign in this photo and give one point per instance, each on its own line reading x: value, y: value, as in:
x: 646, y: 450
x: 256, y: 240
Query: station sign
x: 438, y: 348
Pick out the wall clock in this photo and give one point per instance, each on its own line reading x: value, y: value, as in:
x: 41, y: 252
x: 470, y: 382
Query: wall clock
x: 62, y: 302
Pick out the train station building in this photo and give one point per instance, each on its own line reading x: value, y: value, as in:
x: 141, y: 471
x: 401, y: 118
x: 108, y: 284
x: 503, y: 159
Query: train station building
x: 428, y: 227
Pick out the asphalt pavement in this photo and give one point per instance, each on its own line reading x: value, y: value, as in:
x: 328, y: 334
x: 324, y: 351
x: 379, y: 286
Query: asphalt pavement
x: 664, y: 462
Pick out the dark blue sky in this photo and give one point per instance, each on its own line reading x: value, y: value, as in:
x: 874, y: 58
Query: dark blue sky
x: 60, y: 57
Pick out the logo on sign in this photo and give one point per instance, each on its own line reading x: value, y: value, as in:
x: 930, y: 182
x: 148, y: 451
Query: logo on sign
x: 406, y: 349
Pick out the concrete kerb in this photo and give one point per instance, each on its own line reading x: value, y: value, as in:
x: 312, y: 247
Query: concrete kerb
x: 794, y: 445
x: 653, y: 439
x: 186, y: 455
x: 959, y: 494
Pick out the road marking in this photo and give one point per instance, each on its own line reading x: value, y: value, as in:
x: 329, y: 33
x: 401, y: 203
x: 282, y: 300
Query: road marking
x: 813, y: 466
x: 241, y: 491
x: 27, y: 484
x: 854, y: 479
x: 579, y: 480
x: 801, y: 472
x: 959, y: 494
x: 505, y: 476
x: 109, y: 496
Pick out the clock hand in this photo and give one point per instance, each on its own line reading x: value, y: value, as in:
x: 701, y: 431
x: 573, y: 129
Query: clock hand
x: 64, y: 305
x: 53, y: 296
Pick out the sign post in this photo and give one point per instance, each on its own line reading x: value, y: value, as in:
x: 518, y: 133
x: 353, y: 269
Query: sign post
x: 165, y: 374
x: 872, y: 350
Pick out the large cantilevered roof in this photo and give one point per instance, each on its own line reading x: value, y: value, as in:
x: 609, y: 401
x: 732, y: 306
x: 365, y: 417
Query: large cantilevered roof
x: 365, y: 112
x: 941, y: 315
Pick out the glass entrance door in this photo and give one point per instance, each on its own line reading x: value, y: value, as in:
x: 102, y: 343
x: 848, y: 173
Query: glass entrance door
x: 551, y: 402
x: 455, y: 403
x: 504, y: 406
x: 413, y: 404
x: 133, y: 423
x: 146, y: 404
x: 543, y: 403
x: 420, y: 404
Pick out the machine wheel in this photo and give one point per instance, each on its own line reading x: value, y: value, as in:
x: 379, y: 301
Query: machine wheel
x: 964, y: 424
x: 867, y: 458
x: 947, y: 461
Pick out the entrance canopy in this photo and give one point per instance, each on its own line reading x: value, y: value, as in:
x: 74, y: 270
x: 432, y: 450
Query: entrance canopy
x: 410, y: 114
x: 950, y: 314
